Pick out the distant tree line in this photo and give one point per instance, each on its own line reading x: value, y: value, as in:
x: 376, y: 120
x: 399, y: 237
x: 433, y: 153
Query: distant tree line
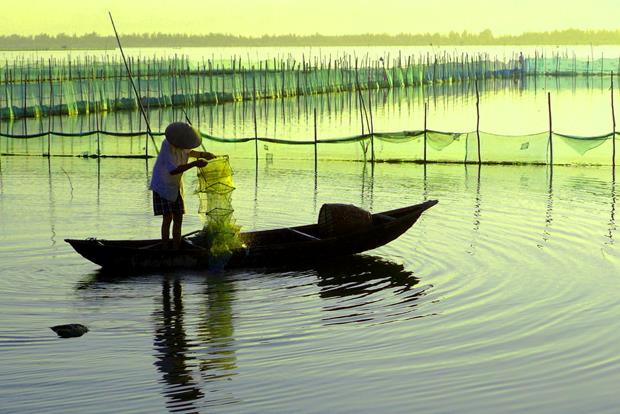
x: 94, y: 41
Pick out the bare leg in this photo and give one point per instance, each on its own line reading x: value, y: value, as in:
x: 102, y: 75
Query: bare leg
x: 165, y: 229
x: 177, y: 223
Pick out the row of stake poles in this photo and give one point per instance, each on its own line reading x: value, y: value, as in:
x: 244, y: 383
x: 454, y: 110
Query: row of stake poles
x: 174, y: 70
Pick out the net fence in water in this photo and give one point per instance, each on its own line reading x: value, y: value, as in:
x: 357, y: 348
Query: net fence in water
x: 404, y: 146
x: 430, y: 146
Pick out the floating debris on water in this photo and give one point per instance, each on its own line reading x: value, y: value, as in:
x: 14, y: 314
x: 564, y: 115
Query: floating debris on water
x: 72, y: 330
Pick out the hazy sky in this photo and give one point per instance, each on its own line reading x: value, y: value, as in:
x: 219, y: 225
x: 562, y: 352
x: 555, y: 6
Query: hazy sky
x: 256, y: 18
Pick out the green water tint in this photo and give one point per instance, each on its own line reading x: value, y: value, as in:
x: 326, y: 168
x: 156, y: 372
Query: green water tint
x: 214, y: 188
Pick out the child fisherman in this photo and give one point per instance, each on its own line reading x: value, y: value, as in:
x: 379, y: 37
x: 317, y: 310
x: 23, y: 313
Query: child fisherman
x: 167, y: 183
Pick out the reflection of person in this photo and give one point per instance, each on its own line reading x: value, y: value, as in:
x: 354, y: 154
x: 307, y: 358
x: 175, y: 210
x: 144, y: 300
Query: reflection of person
x: 177, y: 353
x: 173, y: 350
x: 166, y: 181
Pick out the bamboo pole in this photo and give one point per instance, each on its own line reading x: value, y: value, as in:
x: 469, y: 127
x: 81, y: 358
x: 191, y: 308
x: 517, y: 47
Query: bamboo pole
x: 359, y: 96
x: 98, y: 130
x: 478, y: 121
x: 49, y: 112
x: 550, y: 130
x: 146, y: 120
x: 315, y: 144
x: 254, y: 116
x: 613, y: 119
x: 371, y: 127
x: 425, y: 115
x: 24, y: 93
x: 60, y: 76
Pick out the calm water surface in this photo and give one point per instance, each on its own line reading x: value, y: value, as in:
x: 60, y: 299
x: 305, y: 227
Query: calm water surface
x: 502, y: 298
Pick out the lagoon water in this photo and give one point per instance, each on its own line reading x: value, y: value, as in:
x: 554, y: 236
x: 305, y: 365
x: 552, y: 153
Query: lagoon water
x: 502, y: 298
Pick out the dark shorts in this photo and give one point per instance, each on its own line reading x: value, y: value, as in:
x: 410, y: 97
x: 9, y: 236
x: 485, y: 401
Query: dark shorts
x: 161, y: 206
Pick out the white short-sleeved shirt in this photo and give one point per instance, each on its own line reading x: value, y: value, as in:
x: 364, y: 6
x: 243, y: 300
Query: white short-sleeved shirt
x: 169, y: 159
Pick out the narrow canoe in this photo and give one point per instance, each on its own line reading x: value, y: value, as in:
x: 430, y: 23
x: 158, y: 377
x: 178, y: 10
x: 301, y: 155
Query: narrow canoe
x: 264, y: 248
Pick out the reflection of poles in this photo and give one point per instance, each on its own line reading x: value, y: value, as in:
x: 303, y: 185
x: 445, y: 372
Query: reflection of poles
x: 316, y: 173
x: 612, y: 218
x: 425, y: 185
x: 171, y: 348
x: 367, y: 193
x: 549, y: 210
x: 52, y: 202
x: 372, y: 186
x: 316, y: 190
x: 98, y: 180
x: 477, y: 211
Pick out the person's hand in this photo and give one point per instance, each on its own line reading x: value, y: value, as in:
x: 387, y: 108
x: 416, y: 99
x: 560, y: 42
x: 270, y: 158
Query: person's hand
x: 200, y: 163
x: 209, y: 156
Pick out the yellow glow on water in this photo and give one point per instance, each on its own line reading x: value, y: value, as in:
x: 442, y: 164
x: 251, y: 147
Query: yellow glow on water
x: 254, y: 18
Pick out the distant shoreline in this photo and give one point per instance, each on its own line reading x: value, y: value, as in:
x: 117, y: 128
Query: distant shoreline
x: 93, y: 41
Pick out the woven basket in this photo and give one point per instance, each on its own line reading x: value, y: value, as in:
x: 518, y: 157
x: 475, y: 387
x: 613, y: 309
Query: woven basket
x: 336, y: 219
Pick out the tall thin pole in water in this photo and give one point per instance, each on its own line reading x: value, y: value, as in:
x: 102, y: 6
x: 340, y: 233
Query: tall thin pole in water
x: 98, y: 129
x: 254, y: 116
x: 478, y: 121
x: 49, y: 112
x: 315, y: 143
x: 550, y: 131
x: 425, y: 110
x: 371, y: 127
x: 146, y: 119
x: 613, y: 119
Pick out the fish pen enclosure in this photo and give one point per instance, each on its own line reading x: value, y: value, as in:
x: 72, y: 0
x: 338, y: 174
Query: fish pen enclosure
x: 71, y: 107
x: 38, y: 88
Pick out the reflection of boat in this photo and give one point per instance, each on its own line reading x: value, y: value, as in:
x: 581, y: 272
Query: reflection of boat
x: 369, y: 289
x: 363, y: 275
x: 282, y: 246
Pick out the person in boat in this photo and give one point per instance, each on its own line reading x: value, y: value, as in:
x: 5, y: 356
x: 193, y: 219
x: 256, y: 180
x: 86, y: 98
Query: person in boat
x: 166, y: 180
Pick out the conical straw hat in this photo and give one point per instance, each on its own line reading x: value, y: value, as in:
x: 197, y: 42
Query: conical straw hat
x: 182, y: 135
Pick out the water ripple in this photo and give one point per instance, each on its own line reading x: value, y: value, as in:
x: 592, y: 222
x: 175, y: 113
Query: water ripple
x: 500, y: 298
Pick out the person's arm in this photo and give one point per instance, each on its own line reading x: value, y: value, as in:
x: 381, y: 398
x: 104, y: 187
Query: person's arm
x: 201, y: 154
x: 182, y: 168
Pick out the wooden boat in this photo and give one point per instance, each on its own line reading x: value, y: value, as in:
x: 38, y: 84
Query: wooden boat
x: 265, y: 248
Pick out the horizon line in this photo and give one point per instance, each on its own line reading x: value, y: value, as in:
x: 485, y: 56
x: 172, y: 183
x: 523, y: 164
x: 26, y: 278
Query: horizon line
x: 486, y: 32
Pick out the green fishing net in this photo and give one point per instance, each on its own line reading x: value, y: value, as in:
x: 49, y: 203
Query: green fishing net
x: 214, y: 188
